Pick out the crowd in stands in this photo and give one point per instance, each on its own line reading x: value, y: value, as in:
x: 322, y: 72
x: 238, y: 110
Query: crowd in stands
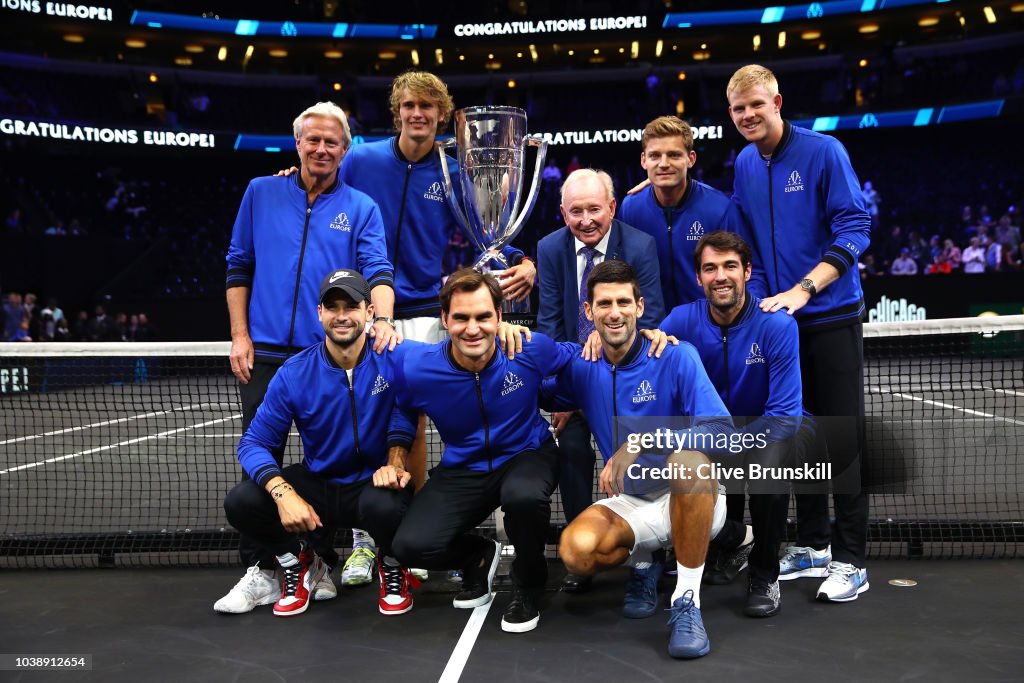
x: 25, y: 321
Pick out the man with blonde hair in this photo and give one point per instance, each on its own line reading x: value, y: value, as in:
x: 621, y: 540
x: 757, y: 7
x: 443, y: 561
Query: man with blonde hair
x: 403, y: 175
x: 295, y: 229
x: 676, y: 210
x: 808, y: 226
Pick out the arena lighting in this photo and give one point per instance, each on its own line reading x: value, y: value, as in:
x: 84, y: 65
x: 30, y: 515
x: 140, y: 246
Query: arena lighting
x: 782, y: 39
x: 519, y: 55
x: 701, y: 55
x: 511, y: 83
x: 821, y: 46
x: 248, y: 51
x: 1019, y: 7
x: 195, y: 49
x: 658, y: 47
x: 682, y: 76
x: 414, y: 54
x: 810, y: 35
x: 990, y: 15
x: 597, y: 51
x: 597, y: 59
x: 153, y: 78
x: 136, y: 43
x: 333, y: 54
x: 222, y: 53
x: 183, y: 61
x: 533, y: 53
x: 490, y: 55
x: 387, y: 54
x: 492, y: 65
x: 863, y: 63
x: 867, y: 28
x: 634, y: 49
x: 572, y: 52
x: 703, y: 46
x: 337, y: 87
x: 439, y: 56
x: 757, y: 42
x: 74, y: 38
x: 278, y: 52
x: 925, y: 22
x: 462, y: 58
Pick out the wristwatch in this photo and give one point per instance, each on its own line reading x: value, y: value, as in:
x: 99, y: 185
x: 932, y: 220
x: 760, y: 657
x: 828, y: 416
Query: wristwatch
x: 385, y: 319
x: 807, y: 284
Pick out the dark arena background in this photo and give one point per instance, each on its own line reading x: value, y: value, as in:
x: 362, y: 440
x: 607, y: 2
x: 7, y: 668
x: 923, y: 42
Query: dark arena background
x: 128, y: 134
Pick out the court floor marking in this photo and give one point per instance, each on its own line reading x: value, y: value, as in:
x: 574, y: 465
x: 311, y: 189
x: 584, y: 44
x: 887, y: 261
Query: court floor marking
x: 949, y: 406
x: 105, y: 423
x: 128, y: 442
x: 460, y: 655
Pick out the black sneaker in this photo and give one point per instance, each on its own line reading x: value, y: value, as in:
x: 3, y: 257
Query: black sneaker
x: 522, y: 614
x: 477, y: 579
x: 763, y: 599
x: 574, y: 583
x: 727, y: 565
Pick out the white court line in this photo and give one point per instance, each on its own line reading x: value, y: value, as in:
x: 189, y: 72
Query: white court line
x: 1005, y: 391
x: 460, y: 655
x: 100, y: 449
x: 950, y: 406
x: 142, y: 416
x: 943, y: 388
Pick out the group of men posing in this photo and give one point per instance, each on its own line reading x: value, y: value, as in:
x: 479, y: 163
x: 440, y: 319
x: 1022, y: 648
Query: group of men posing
x: 345, y: 330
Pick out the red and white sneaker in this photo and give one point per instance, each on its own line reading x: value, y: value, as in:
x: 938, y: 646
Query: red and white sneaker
x: 395, y: 589
x: 300, y: 576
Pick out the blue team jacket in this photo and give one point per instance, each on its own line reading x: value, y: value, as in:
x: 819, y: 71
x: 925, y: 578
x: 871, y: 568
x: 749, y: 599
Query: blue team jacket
x: 484, y: 418
x: 754, y: 363
x: 802, y: 207
x: 282, y: 248
x: 676, y: 230
x: 417, y: 219
x: 344, y: 426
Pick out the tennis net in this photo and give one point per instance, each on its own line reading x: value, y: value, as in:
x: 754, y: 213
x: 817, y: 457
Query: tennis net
x: 121, y: 454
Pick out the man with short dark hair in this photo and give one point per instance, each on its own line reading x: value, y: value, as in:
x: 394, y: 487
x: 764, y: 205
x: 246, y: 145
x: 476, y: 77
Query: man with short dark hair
x: 645, y: 514
x: 339, y: 395
x: 497, y: 449
x: 753, y: 359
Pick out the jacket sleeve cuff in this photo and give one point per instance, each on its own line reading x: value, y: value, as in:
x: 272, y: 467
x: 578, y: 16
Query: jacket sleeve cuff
x: 837, y: 261
x: 239, y: 277
x: 400, y: 441
x: 386, y: 278
x: 266, y: 474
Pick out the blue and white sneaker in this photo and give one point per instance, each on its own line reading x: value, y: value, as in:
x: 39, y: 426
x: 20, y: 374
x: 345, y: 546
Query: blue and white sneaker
x: 688, y: 639
x: 798, y: 562
x: 844, y: 583
x: 641, y: 599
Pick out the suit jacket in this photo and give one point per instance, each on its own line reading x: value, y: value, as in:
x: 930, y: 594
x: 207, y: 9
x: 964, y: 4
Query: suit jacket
x: 558, y: 313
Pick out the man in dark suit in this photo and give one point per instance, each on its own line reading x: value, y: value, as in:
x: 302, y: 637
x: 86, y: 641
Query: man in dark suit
x: 565, y: 258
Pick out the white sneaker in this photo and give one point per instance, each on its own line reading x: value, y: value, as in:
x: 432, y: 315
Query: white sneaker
x: 257, y: 587
x: 421, y: 574
x: 325, y: 588
x: 844, y: 583
x: 799, y: 561
x: 359, y: 567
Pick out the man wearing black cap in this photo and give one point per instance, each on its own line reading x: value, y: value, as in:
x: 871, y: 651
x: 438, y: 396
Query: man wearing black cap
x: 339, y: 395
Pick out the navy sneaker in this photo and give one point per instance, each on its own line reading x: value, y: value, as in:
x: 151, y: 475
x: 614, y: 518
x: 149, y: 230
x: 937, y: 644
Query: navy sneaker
x: 641, y: 599
x: 688, y: 639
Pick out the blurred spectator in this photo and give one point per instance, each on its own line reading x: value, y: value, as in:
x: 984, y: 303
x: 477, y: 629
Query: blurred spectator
x: 934, y: 248
x: 872, y: 199
x: 61, y: 332
x: 574, y: 165
x: 132, y: 333
x: 13, y: 315
x: 974, y: 257
x: 904, y: 265
x: 120, y: 332
x: 56, y: 230
x: 1007, y: 234
x: 951, y: 254
x: 21, y: 334
x: 867, y: 267
x: 940, y: 266
x: 892, y: 246
x: 32, y: 313
x: 993, y: 256
x: 80, y: 331
x: 47, y: 326
x: 13, y: 221
x: 918, y: 249
x: 101, y: 327
x: 1011, y: 258
x: 146, y: 332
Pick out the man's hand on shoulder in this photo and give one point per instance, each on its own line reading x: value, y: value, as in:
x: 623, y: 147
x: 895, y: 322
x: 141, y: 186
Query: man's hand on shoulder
x: 659, y: 340
x: 792, y: 300
x: 510, y: 338
x: 286, y: 171
x: 385, y: 336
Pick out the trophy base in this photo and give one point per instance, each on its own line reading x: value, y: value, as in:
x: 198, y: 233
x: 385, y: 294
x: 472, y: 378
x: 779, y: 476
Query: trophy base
x: 510, y: 309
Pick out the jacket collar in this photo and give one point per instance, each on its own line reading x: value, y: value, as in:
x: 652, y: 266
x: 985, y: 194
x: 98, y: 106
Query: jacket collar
x: 359, y: 361
x: 450, y: 353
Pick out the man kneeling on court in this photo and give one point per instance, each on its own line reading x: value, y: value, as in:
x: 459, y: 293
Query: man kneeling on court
x: 645, y: 515
x: 339, y: 395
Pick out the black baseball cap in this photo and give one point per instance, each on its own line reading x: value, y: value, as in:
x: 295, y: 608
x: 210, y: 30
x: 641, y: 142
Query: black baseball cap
x: 348, y: 281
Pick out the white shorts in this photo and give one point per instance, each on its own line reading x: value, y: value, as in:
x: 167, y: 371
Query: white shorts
x: 651, y: 521
x: 423, y: 329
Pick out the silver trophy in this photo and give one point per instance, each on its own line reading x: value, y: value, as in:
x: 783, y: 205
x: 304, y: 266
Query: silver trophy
x: 491, y: 147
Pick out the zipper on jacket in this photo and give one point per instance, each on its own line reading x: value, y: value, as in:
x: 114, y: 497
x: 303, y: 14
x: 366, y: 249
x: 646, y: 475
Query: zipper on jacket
x: 671, y: 265
x: 615, y: 411
x: 728, y: 385
x: 487, y: 426
x: 401, y: 217
x: 298, y: 275
x: 352, y: 403
x: 771, y: 216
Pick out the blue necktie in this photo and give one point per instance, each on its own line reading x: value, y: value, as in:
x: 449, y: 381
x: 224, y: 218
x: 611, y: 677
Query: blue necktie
x: 585, y: 326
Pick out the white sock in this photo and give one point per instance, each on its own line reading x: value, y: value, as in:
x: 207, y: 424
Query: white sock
x: 688, y: 579
x: 361, y: 538
x: 287, y: 560
x: 749, y: 538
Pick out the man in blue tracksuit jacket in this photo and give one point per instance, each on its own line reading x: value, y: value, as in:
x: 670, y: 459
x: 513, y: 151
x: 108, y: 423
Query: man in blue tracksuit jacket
x: 340, y: 396
x: 808, y: 226
x: 753, y: 359
x: 498, y: 450
x: 675, y: 210
x: 288, y: 233
x: 645, y: 513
